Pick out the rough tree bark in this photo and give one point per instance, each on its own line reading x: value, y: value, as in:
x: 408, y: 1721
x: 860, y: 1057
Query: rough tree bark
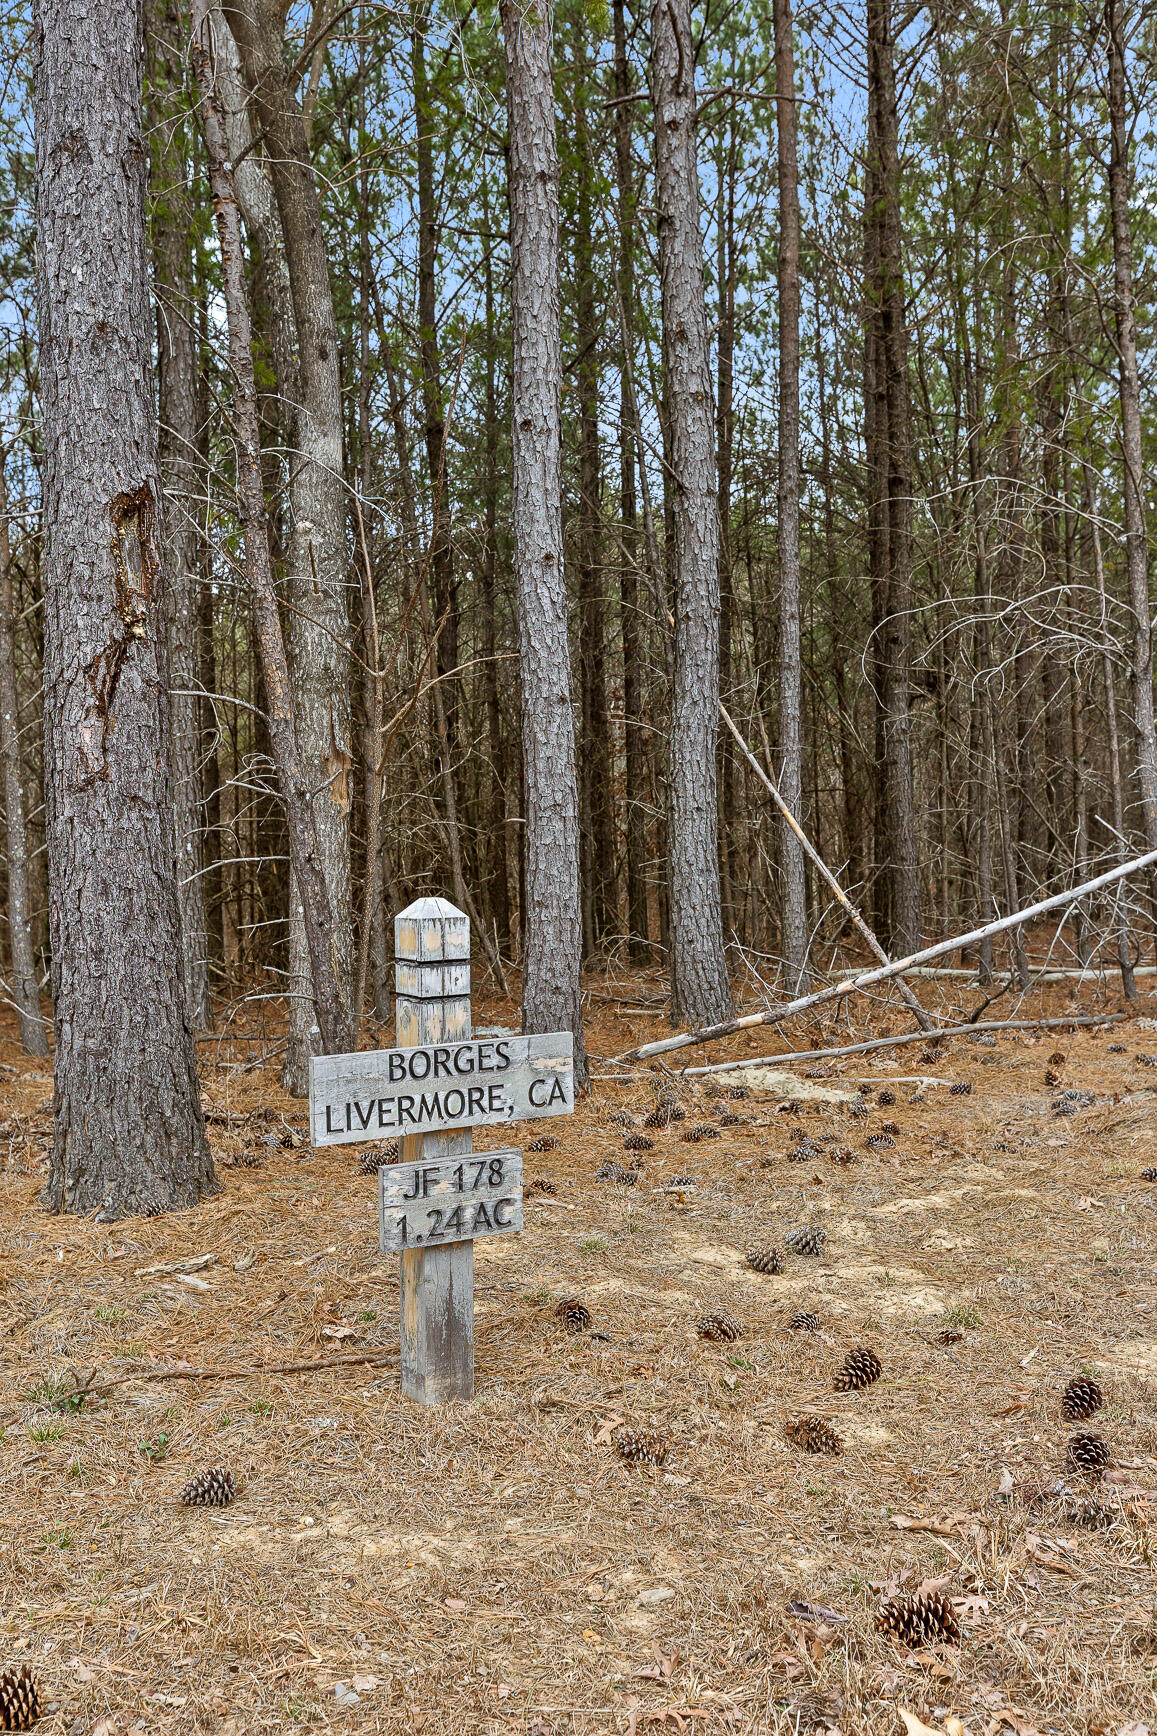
x: 178, y: 403
x: 317, y: 560
x: 330, y: 1001
x: 552, y: 931
x: 700, y: 989
x: 793, y: 943
x: 888, y: 428
x: 1129, y: 387
x: 25, y: 982
x: 634, y: 746
x: 598, y: 864
x: 129, y: 1133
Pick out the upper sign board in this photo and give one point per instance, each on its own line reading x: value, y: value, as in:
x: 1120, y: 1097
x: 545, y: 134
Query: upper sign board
x: 396, y: 1092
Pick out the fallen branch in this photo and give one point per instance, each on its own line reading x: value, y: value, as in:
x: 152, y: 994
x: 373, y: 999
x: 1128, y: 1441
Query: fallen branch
x: 86, y: 1390
x: 896, y: 1042
x: 884, y: 973
x: 825, y: 873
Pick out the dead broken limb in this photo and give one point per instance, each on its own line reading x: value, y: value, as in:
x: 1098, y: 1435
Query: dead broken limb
x: 861, y: 927
x: 884, y: 973
x: 791, y: 1056
x: 85, y: 1389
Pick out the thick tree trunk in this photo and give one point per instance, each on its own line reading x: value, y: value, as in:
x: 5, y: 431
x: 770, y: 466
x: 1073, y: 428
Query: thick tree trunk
x: 793, y: 943
x: 330, y: 1003
x: 498, y: 853
x: 177, y: 357
x: 129, y: 1135
x: 25, y: 982
x: 317, y: 562
x: 700, y: 990
x: 634, y: 745
x: 1129, y: 386
x: 552, y: 930
x: 890, y: 465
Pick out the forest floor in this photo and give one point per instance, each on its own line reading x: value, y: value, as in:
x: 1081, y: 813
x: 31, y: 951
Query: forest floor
x: 494, y: 1567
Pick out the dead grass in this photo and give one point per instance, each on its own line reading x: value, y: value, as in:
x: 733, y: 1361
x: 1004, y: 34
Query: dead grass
x: 493, y: 1567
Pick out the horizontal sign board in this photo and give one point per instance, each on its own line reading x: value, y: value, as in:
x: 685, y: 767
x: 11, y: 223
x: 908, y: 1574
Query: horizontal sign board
x: 449, y: 1199
x: 403, y: 1091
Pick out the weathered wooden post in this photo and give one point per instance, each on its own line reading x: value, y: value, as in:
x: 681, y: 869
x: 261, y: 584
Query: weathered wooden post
x: 439, y: 1197
x: 432, y: 1005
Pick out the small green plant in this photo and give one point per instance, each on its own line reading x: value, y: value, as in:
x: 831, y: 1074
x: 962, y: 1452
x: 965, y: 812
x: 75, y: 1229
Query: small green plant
x: 262, y: 1407
x: 76, y: 1469
x: 46, y: 1431
x: 155, y: 1450
x: 108, y: 1311
x: 368, y: 1314
x: 738, y: 1362
x: 961, y: 1314
x: 58, y: 1539
x: 225, y: 1422
x: 592, y: 1245
x: 49, y: 1390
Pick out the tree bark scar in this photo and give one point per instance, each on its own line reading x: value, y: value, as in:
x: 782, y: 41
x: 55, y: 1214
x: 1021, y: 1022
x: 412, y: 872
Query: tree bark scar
x: 135, y: 572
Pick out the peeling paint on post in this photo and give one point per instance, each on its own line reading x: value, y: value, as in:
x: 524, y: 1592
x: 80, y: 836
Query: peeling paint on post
x: 432, y: 1005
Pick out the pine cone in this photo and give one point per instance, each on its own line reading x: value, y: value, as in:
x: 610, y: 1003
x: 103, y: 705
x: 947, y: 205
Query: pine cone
x: 1146, y: 1060
x: 738, y: 1092
x: 620, y: 1118
x: 1057, y: 1058
x: 1052, y: 1077
x: 575, y: 1315
x: 1088, y: 1455
x: 249, y: 1160
x: 19, y: 1700
x: 615, y: 1172
x: 806, y: 1239
x: 682, y: 1181
x: 641, y: 1446
x: 814, y: 1435
x: 764, y: 1259
x: 843, y: 1154
x: 1091, y: 1515
x: 719, y: 1327
x: 727, y: 1119
x: 861, y: 1368
x: 892, y: 1127
x: 962, y: 1088
x: 881, y: 1141
x: 1116, y: 1049
x: 804, y: 1151
x: 378, y: 1156
x: 857, y: 1109
x: 804, y: 1321
x: 638, y: 1142
x: 544, y: 1142
x: 864, y: 1088
x: 919, y: 1621
x: 886, y: 1098
x: 949, y: 1335
x: 213, y: 1488
x: 542, y: 1184
x: 702, y: 1130
x: 1064, y: 1106
x: 1149, y: 1174
x: 1080, y: 1399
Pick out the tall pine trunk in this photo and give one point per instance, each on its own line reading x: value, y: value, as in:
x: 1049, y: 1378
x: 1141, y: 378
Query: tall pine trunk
x: 889, y: 441
x: 178, y: 402
x: 317, y: 629
x: 1129, y: 387
x: 25, y: 982
x: 700, y: 990
x: 552, y: 928
x: 129, y: 1133
x: 793, y: 943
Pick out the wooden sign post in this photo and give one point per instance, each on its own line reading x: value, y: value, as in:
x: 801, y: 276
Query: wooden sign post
x: 432, y: 1090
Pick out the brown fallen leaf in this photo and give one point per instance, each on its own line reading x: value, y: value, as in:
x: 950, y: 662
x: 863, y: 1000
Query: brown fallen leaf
x: 938, y: 1527
x: 915, y: 1726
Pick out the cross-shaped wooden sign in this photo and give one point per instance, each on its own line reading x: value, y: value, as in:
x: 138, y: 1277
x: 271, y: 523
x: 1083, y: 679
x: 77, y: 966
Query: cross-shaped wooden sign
x: 431, y: 1092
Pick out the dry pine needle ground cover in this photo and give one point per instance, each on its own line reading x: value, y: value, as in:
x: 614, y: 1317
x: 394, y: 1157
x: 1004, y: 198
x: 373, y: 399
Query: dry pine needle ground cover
x: 495, y: 1567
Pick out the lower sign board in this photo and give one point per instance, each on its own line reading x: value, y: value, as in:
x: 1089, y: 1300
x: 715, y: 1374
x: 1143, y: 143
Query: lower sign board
x: 403, y: 1091
x: 426, y: 1202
